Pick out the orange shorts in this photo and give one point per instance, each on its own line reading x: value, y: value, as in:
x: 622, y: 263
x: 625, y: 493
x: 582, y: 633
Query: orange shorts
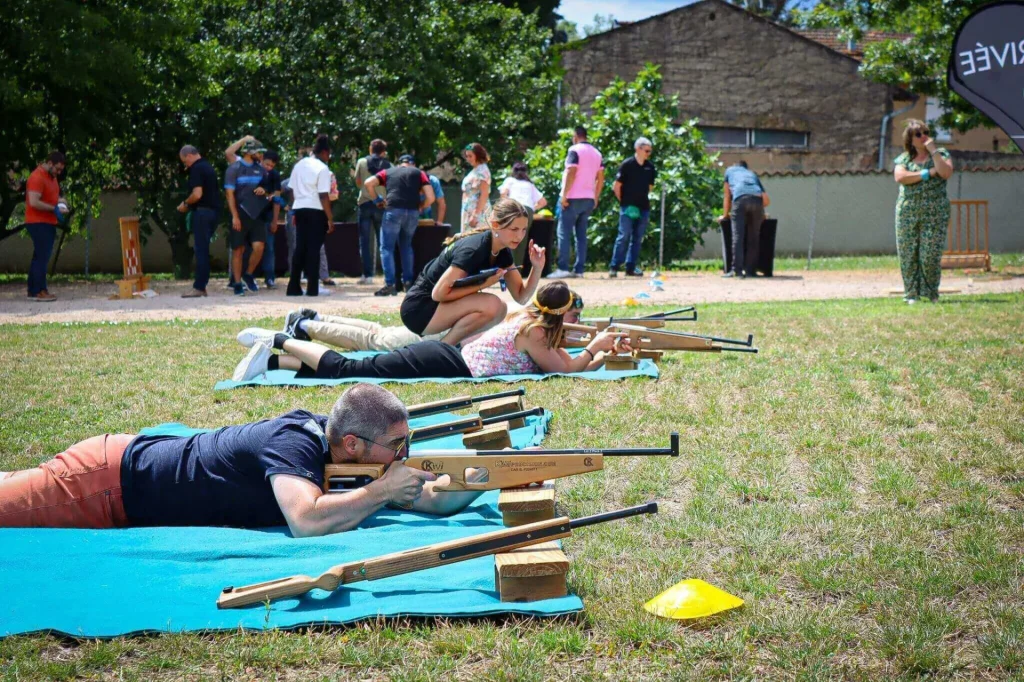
x: 79, y: 488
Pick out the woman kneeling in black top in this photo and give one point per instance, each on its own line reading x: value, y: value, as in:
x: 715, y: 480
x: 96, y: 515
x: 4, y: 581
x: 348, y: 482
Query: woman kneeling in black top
x: 433, y: 305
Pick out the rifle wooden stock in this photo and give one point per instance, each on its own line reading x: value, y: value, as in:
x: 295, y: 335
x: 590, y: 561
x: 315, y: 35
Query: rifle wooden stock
x: 515, y: 468
x: 458, y: 403
x: 469, y: 424
x: 351, y: 476
x: 420, y: 558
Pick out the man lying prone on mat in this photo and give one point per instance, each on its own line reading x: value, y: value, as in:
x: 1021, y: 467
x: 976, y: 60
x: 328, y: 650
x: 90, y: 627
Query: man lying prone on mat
x: 255, y: 475
x: 350, y: 333
x: 527, y: 342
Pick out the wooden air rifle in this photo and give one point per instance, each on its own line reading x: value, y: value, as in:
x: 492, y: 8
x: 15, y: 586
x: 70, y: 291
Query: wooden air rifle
x: 420, y: 558
x: 480, y: 470
x: 642, y: 338
x: 469, y: 424
x: 652, y: 321
x: 459, y: 403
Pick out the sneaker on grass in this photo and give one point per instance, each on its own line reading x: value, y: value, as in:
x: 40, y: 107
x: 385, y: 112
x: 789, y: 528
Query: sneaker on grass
x: 250, y: 282
x: 239, y: 289
x: 250, y: 336
x: 253, y: 364
x: 386, y: 290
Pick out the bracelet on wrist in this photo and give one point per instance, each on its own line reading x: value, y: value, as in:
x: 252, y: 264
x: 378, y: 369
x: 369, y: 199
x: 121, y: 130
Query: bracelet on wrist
x: 592, y: 356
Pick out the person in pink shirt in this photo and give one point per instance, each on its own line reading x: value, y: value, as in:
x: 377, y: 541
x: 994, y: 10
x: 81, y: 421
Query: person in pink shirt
x: 581, y: 189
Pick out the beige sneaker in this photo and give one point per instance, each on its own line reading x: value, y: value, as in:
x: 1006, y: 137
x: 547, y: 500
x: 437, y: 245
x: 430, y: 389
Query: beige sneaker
x: 194, y: 293
x: 43, y: 297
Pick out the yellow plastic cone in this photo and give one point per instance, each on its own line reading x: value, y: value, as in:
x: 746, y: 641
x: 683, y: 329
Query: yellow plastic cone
x: 692, y: 599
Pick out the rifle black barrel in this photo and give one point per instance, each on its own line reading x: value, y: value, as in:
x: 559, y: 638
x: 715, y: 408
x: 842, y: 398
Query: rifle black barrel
x: 748, y: 343
x: 669, y: 313
x: 672, y: 450
x: 459, y: 404
x: 459, y: 425
x: 739, y: 350
x: 498, y: 418
x: 649, y: 508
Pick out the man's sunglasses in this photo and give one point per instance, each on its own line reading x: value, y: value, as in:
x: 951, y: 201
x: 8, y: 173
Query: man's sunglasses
x: 401, y: 452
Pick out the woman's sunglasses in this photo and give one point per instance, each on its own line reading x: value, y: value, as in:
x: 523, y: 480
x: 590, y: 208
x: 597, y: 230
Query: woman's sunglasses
x: 920, y: 133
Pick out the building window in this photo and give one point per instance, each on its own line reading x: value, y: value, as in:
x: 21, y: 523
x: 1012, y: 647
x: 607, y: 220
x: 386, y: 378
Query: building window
x: 715, y: 136
x: 725, y: 137
x: 779, y: 138
x: 932, y: 111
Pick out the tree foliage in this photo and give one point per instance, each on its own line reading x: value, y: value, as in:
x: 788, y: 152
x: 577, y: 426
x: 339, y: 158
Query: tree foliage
x: 73, y: 72
x: 918, y: 64
x: 686, y: 173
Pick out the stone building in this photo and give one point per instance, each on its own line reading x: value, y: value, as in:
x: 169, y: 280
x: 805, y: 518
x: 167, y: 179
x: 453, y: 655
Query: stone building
x: 760, y: 91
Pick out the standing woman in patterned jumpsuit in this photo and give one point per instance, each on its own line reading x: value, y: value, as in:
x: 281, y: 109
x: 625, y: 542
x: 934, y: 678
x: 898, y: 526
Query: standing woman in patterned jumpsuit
x: 922, y: 212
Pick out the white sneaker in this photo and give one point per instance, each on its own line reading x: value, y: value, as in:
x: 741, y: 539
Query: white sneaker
x: 575, y: 275
x: 253, y: 364
x: 323, y: 291
x: 559, y: 274
x: 365, y: 280
x: 251, y: 336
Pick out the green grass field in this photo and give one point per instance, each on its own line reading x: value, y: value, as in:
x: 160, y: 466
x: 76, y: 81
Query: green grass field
x: 860, y: 484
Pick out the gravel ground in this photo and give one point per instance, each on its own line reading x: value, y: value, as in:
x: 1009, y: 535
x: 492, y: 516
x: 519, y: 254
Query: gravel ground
x: 88, y: 302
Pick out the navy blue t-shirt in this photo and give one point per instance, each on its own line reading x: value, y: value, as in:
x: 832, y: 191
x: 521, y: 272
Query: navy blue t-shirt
x: 221, y: 478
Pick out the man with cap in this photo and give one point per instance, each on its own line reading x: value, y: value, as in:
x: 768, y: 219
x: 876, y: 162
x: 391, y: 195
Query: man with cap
x: 633, y: 183
x: 241, y: 181
x: 403, y: 185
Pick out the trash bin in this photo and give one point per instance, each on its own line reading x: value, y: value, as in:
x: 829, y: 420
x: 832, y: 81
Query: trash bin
x: 762, y: 256
x: 342, y: 247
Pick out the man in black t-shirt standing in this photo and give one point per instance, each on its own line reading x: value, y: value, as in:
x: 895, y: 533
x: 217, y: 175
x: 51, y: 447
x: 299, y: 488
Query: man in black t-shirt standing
x: 257, y: 475
x: 633, y: 183
x: 404, y: 184
x: 204, y: 202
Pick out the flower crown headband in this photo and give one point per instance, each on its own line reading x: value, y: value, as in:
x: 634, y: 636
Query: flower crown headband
x: 572, y: 303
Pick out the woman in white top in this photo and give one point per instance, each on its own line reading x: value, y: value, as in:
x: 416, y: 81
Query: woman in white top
x: 518, y: 186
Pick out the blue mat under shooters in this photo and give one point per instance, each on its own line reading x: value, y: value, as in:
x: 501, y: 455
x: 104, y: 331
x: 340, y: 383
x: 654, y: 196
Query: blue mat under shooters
x: 282, y: 377
x: 87, y: 583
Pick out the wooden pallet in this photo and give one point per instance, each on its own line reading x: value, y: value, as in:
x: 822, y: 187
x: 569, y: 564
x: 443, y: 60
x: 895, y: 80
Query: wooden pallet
x: 131, y: 259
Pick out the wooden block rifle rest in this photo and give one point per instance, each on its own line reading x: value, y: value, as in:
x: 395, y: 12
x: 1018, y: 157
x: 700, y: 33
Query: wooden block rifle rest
x: 622, y: 361
x: 531, y: 573
x: 493, y: 437
x: 647, y: 354
x: 526, y: 505
x: 500, y: 406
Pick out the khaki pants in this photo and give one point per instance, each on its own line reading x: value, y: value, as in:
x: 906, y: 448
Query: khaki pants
x: 354, y: 334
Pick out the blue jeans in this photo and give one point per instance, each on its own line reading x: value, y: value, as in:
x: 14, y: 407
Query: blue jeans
x: 573, y: 222
x: 269, y: 263
x: 43, y: 236
x: 399, y: 225
x: 370, y: 220
x: 631, y: 233
x: 204, y: 222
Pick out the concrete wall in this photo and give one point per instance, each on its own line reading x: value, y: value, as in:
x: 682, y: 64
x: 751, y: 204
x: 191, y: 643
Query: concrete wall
x: 855, y: 213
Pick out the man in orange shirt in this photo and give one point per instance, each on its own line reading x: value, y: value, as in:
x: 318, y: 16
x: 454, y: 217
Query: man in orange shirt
x: 42, y: 213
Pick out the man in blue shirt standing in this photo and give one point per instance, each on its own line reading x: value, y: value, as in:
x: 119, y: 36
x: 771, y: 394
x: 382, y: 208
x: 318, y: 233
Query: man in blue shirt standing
x: 744, y: 203
x: 241, y: 181
x: 439, y: 207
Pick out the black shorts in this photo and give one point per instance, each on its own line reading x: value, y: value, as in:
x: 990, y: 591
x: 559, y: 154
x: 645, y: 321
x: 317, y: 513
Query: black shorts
x: 417, y: 311
x: 418, y: 360
x: 253, y: 230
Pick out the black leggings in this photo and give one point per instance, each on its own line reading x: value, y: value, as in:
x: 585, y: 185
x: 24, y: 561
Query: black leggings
x: 416, y: 361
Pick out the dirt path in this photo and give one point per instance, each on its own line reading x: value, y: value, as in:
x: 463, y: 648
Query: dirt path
x: 89, y: 302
